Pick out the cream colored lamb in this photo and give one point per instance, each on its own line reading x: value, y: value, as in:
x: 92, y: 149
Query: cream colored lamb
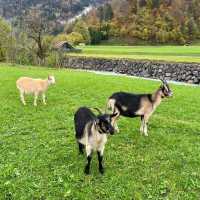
x: 36, y: 87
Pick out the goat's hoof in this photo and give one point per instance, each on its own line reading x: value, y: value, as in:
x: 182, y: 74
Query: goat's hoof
x: 101, y: 170
x: 87, y: 171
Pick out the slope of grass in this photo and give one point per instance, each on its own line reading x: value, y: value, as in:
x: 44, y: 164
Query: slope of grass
x: 39, y: 157
x: 162, y: 53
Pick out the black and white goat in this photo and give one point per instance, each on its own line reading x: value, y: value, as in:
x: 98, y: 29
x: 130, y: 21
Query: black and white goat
x: 137, y: 105
x: 91, y: 134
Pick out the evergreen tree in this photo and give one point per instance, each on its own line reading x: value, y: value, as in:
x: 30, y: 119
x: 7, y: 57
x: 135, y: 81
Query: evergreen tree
x: 108, y: 12
x: 96, y: 35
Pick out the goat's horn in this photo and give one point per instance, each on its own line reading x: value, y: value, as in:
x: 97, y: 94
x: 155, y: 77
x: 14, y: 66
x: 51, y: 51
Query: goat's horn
x: 164, y: 81
x: 100, y: 112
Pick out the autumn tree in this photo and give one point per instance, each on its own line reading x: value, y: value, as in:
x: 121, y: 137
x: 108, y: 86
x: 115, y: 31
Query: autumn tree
x: 5, y: 38
x: 154, y: 21
x: 36, y: 27
x: 82, y: 28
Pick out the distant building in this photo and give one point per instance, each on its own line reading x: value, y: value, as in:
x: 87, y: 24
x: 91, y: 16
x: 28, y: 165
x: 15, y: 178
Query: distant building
x: 66, y: 46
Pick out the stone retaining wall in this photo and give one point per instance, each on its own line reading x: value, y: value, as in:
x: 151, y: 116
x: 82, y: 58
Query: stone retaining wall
x: 184, y: 72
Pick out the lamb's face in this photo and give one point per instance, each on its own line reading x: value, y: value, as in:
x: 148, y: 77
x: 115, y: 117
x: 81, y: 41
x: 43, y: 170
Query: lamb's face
x: 51, y: 79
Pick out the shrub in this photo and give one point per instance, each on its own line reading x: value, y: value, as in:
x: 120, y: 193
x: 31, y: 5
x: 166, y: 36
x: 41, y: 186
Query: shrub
x: 55, y: 59
x: 74, y: 38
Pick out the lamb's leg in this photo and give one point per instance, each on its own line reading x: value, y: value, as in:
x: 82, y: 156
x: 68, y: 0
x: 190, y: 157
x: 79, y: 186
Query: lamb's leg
x: 35, y: 99
x: 22, y: 97
x: 100, y: 159
x: 89, y: 158
x: 44, y: 98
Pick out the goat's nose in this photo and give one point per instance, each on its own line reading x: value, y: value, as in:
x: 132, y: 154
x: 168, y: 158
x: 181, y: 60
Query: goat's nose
x: 112, y: 131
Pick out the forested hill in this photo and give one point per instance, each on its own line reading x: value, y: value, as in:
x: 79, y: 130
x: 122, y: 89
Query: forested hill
x: 158, y: 21
x: 154, y: 21
x: 58, y: 10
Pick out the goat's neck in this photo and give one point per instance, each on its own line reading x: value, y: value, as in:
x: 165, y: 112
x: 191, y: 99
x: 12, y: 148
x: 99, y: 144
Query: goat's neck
x: 96, y: 134
x: 157, y: 98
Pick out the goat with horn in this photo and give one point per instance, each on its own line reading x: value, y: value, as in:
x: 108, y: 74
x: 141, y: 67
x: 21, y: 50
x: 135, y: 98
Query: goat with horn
x: 91, y: 133
x: 137, y: 105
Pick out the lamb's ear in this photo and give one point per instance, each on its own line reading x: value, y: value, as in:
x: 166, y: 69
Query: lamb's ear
x: 49, y: 77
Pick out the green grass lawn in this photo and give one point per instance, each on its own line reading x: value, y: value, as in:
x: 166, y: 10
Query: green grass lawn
x: 39, y: 157
x: 162, y: 53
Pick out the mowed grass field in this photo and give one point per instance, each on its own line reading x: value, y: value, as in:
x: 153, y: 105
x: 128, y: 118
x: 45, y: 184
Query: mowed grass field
x: 162, y: 53
x: 39, y: 157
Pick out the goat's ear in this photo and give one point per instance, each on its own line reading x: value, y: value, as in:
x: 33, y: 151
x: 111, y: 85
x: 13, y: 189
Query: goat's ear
x: 96, y: 121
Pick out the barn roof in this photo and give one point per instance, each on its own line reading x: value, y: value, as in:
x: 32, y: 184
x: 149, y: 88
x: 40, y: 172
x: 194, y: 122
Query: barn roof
x: 60, y: 44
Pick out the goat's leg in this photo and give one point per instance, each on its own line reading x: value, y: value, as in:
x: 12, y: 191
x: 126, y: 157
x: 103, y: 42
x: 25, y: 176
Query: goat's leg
x: 145, y: 129
x: 35, y: 99
x: 81, y: 147
x: 44, y: 98
x: 100, y: 159
x: 142, y: 125
x: 22, y: 97
x: 111, y: 105
x: 89, y: 158
x: 114, y: 124
x: 114, y: 120
x: 116, y: 127
x: 146, y: 119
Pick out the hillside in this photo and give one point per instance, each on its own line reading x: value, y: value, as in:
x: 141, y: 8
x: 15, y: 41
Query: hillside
x: 155, y: 21
x: 58, y: 11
